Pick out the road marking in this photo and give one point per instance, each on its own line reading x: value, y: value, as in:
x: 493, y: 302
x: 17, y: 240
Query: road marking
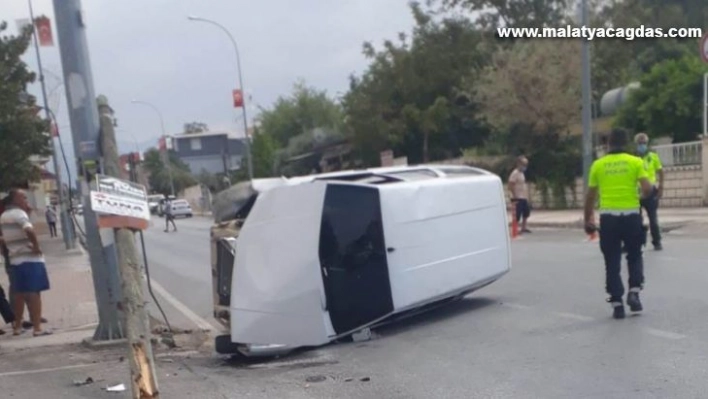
x: 187, y: 312
x: 37, y: 371
x: 651, y: 331
x: 664, y: 334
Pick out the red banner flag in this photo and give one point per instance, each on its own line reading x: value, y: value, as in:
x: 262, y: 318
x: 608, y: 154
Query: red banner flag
x: 44, y: 31
x: 162, y: 143
x: 54, y: 130
x: 238, y: 98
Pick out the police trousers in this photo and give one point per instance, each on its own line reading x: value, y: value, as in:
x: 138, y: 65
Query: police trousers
x: 616, y: 230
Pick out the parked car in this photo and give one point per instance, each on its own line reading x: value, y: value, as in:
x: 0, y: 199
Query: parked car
x: 308, y: 260
x: 181, y: 207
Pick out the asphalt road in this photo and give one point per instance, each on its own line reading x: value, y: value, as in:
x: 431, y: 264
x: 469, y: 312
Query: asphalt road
x: 542, y: 331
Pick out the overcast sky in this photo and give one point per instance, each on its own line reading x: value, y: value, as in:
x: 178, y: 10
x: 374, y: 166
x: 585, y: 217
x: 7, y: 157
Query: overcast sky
x: 148, y: 50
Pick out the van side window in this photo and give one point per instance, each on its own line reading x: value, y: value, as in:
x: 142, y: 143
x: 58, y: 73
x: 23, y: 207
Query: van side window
x: 351, y: 234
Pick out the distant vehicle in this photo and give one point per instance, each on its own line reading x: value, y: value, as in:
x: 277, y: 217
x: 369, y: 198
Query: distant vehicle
x: 154, y: 202
x: 306, y: 261
x: 181, y: 207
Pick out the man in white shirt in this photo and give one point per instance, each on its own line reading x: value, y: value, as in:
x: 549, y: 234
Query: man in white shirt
x: 520, y: 193
x: 28, y: 273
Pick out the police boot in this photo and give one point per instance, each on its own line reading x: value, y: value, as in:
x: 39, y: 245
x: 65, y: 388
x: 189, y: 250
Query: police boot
x: 617, y: 308
x: 635, y: 305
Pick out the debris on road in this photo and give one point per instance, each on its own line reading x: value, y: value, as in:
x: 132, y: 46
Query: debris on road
x: 363, y: 335
x: 87, y: 381
x: 365, y: 379
x: 116, y: 388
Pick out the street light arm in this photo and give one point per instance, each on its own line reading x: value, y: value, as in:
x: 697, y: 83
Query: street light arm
x: 159, y: 114
x: 233, y: 41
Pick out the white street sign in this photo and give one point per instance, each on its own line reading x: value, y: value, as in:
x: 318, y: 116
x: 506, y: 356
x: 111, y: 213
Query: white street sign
x: 105, y: 203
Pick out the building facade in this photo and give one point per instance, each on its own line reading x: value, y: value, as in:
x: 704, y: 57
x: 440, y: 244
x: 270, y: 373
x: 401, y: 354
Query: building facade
x: 213, y: 152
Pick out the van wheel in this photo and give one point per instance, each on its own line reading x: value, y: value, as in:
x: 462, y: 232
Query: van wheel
x: 189, y: 215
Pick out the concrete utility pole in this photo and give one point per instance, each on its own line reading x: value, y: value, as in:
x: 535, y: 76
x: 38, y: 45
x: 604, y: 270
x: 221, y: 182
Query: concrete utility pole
x: 83, y: 114
x: 137, y: 325
x: 587, y: 102
x: 66, y: 231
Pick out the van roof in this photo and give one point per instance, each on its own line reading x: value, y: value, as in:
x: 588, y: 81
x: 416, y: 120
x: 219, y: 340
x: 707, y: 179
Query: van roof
x: 375, y: 176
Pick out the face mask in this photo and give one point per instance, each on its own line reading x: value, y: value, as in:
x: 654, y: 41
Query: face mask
x: 522, y: 169
x: 642, y: 148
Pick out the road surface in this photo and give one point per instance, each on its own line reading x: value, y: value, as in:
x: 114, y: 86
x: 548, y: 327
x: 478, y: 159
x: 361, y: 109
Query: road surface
x: 543, y: 331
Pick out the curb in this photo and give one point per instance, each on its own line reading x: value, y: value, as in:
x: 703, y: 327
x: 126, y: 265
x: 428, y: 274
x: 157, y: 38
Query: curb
x: 665, y: 228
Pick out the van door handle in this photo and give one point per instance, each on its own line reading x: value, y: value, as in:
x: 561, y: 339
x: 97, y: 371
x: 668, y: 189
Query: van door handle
x: 390, y: 249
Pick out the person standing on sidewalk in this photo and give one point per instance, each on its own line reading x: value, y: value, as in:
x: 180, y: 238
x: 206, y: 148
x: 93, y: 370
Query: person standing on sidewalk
x: 51, y: 215
x: 169, y: 216
x: 651, y: 203
x: 520, y: 193
x: 28, y: 273
x: 615, y: 177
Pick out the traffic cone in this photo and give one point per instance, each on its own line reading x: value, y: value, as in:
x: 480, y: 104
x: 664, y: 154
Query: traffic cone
x: 514, y: 228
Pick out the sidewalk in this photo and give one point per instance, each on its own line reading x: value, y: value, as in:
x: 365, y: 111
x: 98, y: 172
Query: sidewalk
x: 669, y: 218
x: 69, y: 305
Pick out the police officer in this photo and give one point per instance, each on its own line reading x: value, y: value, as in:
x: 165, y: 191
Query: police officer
x: 651, y: 203
x: 615, y: 177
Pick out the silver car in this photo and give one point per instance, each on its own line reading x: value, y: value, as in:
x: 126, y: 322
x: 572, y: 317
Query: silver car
x: 181, y: 207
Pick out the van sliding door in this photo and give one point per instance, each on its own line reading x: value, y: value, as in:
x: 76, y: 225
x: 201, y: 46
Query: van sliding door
x: 353, y: 257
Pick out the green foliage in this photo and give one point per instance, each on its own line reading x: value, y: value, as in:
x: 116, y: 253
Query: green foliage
x: 22, y: 131
x: 409, y: 98
x: 159, y: 179
x: 305, y: 109
x: 512, y: 13
x: 263, y: 150
x: 195, y: 127
x: 668, y: 101
x: 511, y: 90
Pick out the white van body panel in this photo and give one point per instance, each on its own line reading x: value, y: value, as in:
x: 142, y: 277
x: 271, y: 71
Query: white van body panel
x: 277, y: 295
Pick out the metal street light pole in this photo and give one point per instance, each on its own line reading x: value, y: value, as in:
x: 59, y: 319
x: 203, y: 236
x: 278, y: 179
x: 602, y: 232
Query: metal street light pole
x: 243, y: 90
x: 67, y: 232
x: 164, y: 135
x: 586, y: 95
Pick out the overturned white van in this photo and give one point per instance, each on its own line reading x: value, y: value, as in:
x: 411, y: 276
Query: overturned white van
x: 307, y: 260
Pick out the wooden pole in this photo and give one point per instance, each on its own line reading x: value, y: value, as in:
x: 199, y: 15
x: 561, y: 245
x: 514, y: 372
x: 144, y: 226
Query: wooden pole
x: 142, y: 363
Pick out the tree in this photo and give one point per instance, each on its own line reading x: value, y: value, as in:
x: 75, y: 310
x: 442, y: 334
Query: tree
x: 195, y: 127
x: 408, y: 100
x: 304, y: 110
x: 511, y: 13
x: 535, y: 83
x: 263, y: 150
x: 669, y: 100
x: 615, y: 63
x: 22, y: 131
x: 159, y: 176
x: 531, y: 95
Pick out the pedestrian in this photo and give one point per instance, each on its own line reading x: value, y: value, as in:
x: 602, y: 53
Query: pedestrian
x: 28, y: 273
x: 650, y: 204
x: 614, y: 177
x: 169, y: 216
x: 5, y: 306
x: 51, y: 215
x: 520, y: 193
